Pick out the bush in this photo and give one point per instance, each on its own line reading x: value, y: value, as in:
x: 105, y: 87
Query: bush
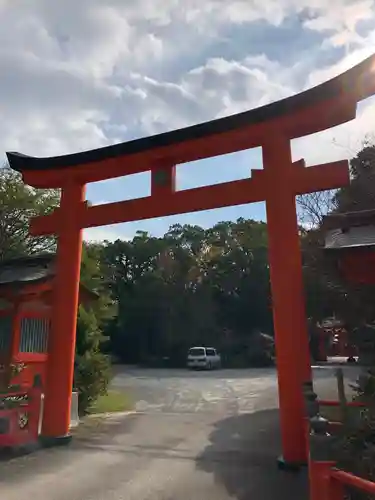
x: 92, y: 377
x: 254, y: 350
x: 92, y: 372
x: 356, y: 446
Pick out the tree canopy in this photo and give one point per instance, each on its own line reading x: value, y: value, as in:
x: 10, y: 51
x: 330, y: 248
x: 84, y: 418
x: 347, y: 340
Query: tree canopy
x: 327, y: 293
x: 192, y: 286
x: 18, y: 204
x: 158, y: 296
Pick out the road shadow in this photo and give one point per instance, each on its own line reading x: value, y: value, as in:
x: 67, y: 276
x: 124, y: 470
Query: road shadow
x: 242, y: 457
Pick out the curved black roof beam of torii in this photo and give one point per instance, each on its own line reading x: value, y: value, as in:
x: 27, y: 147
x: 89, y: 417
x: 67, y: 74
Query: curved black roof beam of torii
x: 356, y: 84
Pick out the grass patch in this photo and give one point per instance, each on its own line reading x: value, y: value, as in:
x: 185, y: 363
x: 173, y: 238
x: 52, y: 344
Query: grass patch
x: 112, y: 402
x: 331, y: 413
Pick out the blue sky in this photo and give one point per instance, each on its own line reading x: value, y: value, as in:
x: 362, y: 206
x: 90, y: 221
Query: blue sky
x: 80, y: 75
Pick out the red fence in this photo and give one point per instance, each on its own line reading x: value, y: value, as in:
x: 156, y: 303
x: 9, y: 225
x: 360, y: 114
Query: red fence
x: 327, y: 402
x: 329, y: 483
x: 340, y: 479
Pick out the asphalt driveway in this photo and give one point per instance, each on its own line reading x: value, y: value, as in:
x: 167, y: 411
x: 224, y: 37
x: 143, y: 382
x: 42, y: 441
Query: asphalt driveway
x: 195, y: 435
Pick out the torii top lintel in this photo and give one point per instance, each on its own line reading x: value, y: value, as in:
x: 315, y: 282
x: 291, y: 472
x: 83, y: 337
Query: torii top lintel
x: 319, y: 108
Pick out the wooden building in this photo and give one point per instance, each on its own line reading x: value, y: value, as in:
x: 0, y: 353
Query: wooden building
x: 26, y: 289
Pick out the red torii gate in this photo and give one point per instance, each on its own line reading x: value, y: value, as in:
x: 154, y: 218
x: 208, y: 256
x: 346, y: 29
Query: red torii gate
x: 272, y: 127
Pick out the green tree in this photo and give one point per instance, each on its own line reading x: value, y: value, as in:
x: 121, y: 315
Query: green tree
x: 193, y: 286
x: 356, y: 444
x: 18, y: 204
x: 360, y: 193
x: 92, y: 367
x: 357, y: 196
x: 326, y: 292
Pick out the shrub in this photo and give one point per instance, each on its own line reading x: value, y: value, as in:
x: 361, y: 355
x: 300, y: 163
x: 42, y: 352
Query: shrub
x: 356, y: 446
x: 92, y: 372
x: 92, y: 377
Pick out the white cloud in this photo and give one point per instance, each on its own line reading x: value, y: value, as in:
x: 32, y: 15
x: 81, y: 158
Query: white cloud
x: 320, y: 75
x: 109, y: 233
x: 247, y: 83
x: 341, y: 19
x: 339, y: 142
x: 75, y: 74
x: 79, y: 75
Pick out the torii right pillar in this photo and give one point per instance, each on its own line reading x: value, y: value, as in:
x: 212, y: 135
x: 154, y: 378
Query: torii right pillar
x: 285, y: 179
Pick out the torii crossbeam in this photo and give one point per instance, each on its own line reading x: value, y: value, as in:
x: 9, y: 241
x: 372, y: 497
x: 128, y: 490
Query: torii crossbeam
x: 272, y: 127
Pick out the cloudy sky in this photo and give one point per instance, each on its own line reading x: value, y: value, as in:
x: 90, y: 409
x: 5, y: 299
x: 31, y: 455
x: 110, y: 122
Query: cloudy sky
x: 80, y: 74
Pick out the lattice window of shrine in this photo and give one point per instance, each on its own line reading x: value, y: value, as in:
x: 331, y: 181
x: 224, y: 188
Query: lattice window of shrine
x: 5, y: 333
x: 34, y: 335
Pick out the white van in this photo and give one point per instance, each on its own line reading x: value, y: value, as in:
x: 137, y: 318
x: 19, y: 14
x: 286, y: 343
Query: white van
x: 203, y: 357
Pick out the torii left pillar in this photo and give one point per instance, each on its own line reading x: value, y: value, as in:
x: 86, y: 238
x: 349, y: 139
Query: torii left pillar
x: 61, y: 348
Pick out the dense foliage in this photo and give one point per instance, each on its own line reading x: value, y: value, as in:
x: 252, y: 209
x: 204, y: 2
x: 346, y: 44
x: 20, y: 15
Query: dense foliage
x: 18, y: 203
x: 327, y: 294
x: 355, y: 306
x: 359, y: 444
x: 92, y: 371
x: 92, y: 366
x: 159, y: 296
x: 193, y: 286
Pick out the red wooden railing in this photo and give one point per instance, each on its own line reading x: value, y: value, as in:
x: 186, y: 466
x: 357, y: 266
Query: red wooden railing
x: 329, y: 483
x: 328, y: 402
x: 339, y: 479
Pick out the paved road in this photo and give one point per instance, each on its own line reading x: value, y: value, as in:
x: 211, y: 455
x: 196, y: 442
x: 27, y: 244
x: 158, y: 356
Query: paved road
x: 224, y: 392
x: 197, y: 435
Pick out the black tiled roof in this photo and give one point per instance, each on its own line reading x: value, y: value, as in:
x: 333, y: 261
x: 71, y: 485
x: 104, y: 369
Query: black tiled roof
x: 26, y: 270
x: 349, y: 219
x: 349, y: 230
x: 31, y: 269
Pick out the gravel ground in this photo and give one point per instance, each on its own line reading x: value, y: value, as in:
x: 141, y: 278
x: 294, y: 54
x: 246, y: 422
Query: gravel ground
x: 195, y: 435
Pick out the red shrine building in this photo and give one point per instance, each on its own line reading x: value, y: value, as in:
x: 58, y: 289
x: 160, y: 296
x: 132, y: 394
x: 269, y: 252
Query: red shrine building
x: 26, y: 286
x: 350, y: 239
x: 350, y: 245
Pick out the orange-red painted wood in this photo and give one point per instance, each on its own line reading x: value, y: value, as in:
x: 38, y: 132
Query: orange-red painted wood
x: 281, y: 180
x: 61, y: 348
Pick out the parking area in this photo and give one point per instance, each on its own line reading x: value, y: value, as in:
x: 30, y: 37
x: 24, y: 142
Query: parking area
x: 194, y: 435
